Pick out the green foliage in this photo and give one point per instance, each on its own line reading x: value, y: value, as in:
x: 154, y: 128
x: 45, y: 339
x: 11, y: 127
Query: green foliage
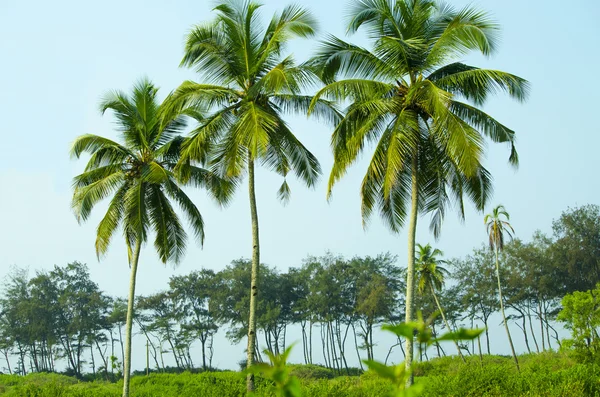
x: 398, y: 374
x: 498, y: 377
x: 311, y: 371
x: 576, y: 248
x: 548, y: 375
x: 279, y: 373
x: 581, y: 314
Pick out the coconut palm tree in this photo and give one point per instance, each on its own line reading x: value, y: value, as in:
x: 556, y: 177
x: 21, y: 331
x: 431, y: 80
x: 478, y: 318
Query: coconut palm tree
x: 251, y: 86
x: 430, y: 276
x: 497, y: 226
x: 138, y: 174
x: 412, y: 100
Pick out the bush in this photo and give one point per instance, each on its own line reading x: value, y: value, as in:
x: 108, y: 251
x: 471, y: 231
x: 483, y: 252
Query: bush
x: 311, y: 371
x: 548, y: 374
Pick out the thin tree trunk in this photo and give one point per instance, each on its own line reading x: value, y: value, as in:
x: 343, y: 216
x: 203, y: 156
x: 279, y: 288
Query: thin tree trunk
x: 487, y: 335
x: 129, y: 322
x: 479, y: 346
x: 391, y: 348
x: 410, y: 273
x: 93, y: 359
x: 512, y: 347
x: 122, y: 347
x: 537, y: 347
x: 525, y: 333
x: 370, y: 344
x: 437, y: 302
x: 304, y: 342
x: 103, y: 358
x: 254, y: 275
x: 310, y: 328
x: 357, y: 350
x: 7, y: 361
x: 541, y: 324
x: 203, y: 341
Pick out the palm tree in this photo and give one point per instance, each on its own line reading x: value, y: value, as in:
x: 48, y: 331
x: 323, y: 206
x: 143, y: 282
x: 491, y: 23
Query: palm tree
x: 408, y: 96
x: 496, y: 228
x: 430, y: 275
x: 138, y: 174
x: 251, y: 86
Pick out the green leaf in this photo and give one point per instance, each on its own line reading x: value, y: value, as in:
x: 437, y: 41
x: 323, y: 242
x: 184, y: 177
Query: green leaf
x: 405, y: 330
x: 461, y: 334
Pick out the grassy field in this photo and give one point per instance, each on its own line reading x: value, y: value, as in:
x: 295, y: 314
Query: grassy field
x: 548, y: 374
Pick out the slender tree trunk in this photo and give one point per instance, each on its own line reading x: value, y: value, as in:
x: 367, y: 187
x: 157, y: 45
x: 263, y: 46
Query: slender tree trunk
x: 547, y: 326
x: 410, y: 273
x: 472, y: 341
x: 254, y: 276
x: 437, y: 302
x: 391, y: 348
x: 310, y: 328
x: 524, y: 320
x: 129, y: 322
x: 203, y: 354
x: 541, y: 324
x: 357, y: 350
x: 122, y: 347
x: 512, y: 347
x: 487, y: 335
x: 537, y: 347
x: 370, y: 344
x: 7, y: 361
x: 103, y: 357
x: 324, y: 346
x: 479, y: 346
x: 304, y: 342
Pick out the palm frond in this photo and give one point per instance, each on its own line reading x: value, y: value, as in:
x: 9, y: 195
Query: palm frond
x: 86, y: 197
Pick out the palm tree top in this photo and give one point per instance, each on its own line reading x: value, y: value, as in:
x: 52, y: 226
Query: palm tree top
x: 139, y: 174
x: 429, y: 269
x: 250, y: 85
x: 496, y: 227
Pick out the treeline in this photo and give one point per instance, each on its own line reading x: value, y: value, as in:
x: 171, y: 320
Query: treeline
x: 337, y: 304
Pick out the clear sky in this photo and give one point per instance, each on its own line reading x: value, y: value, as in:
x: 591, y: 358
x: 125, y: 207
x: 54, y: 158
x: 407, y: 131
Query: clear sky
x: 59, y: 57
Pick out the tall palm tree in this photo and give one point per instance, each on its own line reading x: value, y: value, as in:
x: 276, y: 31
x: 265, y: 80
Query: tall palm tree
x: 251, y: 86
x: 497, y: 226
x: 409, y: 96
x: 430, y: 275
x: 138, y: 174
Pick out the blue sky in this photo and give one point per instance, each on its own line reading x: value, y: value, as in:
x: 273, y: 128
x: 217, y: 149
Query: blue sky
x: 59, y: 57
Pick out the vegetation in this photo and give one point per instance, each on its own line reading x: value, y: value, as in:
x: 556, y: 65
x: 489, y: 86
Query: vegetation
x: 549, y: 374
x: 250, y: 85
x: 410, y: 95
x: 497, y: 228
x: 407, y: 93
x: 139, y: 176
x: 61, y: 318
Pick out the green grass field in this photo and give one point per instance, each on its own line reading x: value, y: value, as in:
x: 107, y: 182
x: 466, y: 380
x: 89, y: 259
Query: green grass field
x: 548, y: 374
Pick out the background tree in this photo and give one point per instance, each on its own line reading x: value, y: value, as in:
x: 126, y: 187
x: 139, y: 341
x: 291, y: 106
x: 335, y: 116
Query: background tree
x: 194, y: 295
x: 252, y: 83
x: 576, y: 247
x: 139, y: 176
x: 431, y: 276
x: 497, y: 228
x: 475, y: 274
x: 581, y: 314
x: 407, y: 95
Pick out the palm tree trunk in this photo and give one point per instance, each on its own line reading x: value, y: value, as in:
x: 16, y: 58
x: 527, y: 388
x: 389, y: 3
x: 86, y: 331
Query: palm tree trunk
x: 410, y: 272
x: 254, y: 276
x: 512, y: 347
x: 437, y: 302
x: 129, y: 323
